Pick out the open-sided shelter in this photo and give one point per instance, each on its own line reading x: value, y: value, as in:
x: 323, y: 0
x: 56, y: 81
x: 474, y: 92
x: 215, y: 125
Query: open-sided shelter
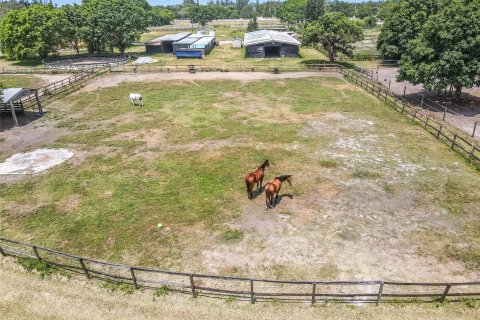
x: 12, y: 101
x: 270, y: 44
x: 164, y: 44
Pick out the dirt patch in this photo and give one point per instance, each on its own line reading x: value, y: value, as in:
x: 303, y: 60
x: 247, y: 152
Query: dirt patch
x: 70, y: 203
x: 115, y: 79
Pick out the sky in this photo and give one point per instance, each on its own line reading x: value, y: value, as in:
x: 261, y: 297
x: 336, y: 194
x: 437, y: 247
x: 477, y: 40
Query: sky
x: 157, y: 2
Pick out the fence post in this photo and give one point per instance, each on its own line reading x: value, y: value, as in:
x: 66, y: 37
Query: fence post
x: 439, y: 131
x: 85, y: 270
x: 426, y: 123
x: 445, y: 293
x: 192, y: 286
x: 404, y: 91
x: 453, y: 141
x: 134, y: 279
x: 252, y: 294
x: 474, y: 129
x: 444, y: 114
x: 380, y: 292
x: 314, y: 292
x: 389, y: 83
x: 35, y: 251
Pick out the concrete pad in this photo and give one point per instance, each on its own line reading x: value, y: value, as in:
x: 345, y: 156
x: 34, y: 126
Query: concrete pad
x: 35, y: 161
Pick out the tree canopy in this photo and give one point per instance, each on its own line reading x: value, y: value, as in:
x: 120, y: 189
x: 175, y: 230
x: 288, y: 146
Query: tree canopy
x: 314, y: 9
x: 447, y: 49
x: 200, y: 14
x: 292, y: 11
x: 334, y: 32
x: 36, y: 30
x: 403, y: 24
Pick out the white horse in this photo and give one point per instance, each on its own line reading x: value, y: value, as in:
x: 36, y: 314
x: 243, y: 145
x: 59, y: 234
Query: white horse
x: 136, y: 97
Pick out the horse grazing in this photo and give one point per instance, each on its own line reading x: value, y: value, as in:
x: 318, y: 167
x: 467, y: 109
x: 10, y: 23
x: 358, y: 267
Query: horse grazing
x: 255, y: 177
x: 136, y: 97
x: 274, y: 187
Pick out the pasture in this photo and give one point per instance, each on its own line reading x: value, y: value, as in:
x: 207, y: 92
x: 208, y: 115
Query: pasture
x: 373, y: 195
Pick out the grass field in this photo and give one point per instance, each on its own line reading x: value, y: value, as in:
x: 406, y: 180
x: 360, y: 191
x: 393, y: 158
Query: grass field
x: 374, y: 196
x: 27, y: 296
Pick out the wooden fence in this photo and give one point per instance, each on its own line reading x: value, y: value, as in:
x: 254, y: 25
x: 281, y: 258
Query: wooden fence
x: 247, y: 289
x: 51, y: 90
x: 443, y: 131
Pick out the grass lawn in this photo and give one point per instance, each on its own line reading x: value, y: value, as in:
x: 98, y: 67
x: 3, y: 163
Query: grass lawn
x: 181, y: 159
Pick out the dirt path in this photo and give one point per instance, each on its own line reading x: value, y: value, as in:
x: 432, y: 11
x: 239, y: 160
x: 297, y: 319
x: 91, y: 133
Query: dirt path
x: 26, y: 295
x: 116, y: 78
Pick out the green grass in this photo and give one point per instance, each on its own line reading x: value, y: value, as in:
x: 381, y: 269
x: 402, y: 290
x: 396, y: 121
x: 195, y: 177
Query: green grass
x: 211, y: 134
x: 22, y: 81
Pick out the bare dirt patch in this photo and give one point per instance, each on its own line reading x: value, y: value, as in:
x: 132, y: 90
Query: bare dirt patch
x: 115, y: 79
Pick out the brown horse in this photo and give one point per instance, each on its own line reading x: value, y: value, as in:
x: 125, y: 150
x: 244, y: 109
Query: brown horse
x: 274, y: 187
x: 255, y: 177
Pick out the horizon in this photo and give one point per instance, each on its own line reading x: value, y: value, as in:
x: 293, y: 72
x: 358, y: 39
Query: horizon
x: 168, y: 2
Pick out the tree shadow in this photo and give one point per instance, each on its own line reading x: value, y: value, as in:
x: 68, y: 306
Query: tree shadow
x: 7, y: 122
x: 280, y: 198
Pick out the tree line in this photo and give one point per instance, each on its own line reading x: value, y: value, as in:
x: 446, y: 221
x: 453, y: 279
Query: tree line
x: 37, y: 29
x: 437, y: 43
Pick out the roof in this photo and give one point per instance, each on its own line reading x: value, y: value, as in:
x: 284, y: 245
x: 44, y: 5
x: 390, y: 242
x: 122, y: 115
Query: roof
x: 188, y: 40
x: 170, y: 37
x: 204, y: 41
x: 13, y: 94
x: 262, y: 36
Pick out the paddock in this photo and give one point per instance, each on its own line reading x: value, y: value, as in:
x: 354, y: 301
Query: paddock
x: 374, y: 196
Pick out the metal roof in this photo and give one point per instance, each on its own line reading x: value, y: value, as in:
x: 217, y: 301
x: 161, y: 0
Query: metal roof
x: 262, y: 36
x: 203, y: 41
x: 13, y: 94
x: 170, y: 37
x: 188, y: 40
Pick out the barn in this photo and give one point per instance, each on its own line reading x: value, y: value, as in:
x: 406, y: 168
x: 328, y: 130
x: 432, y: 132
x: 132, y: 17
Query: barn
x: 164, y: 44
x: 270, y: 44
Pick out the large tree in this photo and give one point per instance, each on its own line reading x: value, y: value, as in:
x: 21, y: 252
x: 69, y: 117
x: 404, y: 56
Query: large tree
x: 292, y: 11
x: 447, y: 50
x: 36, y: 30
x: 75, y: 27
x: 200, y: 14
x: 314, y: 9
x: 161, y: 16
x: 115, y: 23
x: 334, y: 32
x: 403, y: 24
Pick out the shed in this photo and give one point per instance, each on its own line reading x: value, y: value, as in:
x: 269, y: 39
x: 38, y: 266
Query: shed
x: 237, y: 43
x: 185, y: 42
x: 12, y: 101
x: 270, y: 44
x: 206, y: 44
x: 164, y: 44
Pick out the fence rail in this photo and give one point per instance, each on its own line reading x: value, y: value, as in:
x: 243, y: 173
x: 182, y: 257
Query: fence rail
x: 49, y: 91
x: 443, y: 131
x: 248, y: 289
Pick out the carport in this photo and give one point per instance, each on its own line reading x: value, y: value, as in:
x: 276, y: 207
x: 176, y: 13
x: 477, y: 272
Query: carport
x: 11, y: 101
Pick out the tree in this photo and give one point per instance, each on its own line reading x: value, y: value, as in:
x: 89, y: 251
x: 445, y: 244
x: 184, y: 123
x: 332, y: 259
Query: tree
x: 403, y: 25
x: 314, y: 9
x: 370, y: 22
x: 334, y: 32
x: 161, y: 16
x: 447, y: 50
x: 201, y: 15
x: 75, y: 27
x: 292, y: 11
x: 115, y: 23
x: 252, y: 24
x: 37, y: 30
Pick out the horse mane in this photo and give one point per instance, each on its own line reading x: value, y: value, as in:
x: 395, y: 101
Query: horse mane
x: 282, y: 178
x: 263, y: 163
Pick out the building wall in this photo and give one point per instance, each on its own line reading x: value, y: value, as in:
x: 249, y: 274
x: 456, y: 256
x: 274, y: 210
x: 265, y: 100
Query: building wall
x: 258, y: 51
